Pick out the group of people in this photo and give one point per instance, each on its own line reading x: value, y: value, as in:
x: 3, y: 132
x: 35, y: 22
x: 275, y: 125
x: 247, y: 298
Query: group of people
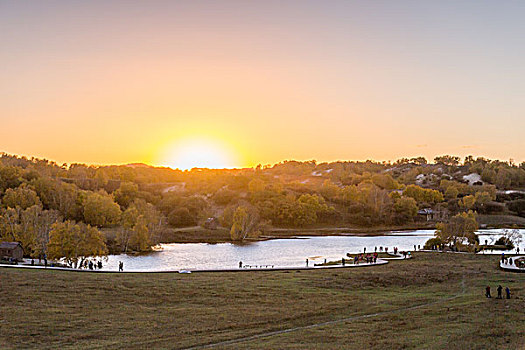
x: 380, y: 249
x: 369, y: 258
x: 507, y: 261
x: 499, y: 289
x: 92, y: 265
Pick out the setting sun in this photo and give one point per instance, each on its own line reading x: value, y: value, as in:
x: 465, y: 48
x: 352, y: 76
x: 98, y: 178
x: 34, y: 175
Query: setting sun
x: 198, y: 153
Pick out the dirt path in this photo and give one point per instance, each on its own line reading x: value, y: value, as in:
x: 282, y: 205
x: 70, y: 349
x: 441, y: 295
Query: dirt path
x: 310, y: 326
x: 327, y: 323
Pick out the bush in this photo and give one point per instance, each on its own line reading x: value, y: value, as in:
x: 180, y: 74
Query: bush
x: 506, y: 242
x: 181, y: 217
x: 433, y: 242
x: 518, y: 206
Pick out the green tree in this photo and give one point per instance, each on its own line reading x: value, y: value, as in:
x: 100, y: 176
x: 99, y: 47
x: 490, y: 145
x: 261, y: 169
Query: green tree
x: 181, y: 217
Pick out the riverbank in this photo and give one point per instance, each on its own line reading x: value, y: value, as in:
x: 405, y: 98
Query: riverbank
x: 56, y: 309
x: 197, y: 234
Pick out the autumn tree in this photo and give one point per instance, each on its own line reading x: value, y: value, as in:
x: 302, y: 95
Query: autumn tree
x: 56, y: 195
x: 451, y: 192
x: 447, y: 160
x: 246, y: 222
x: 10, y: 177
x: 100, y: 210
x: 467, y: 202
x: 126, y: 194
x: 141, y: 225
x: 141, y: 239
x: 405, y: 209
x: 37, y: 224
x: 75, y: 242
x: 22, y: 196
x: 423, y: 194
x: 329, y: 190
x: 460, y: 229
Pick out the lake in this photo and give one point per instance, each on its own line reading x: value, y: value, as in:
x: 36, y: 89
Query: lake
x: 290, y: 252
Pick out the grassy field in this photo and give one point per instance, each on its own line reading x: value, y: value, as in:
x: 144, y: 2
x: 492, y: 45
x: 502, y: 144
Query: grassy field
x: 66, y: 310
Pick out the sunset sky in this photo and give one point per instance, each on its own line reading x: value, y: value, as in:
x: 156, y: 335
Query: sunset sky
x: 238, y: 83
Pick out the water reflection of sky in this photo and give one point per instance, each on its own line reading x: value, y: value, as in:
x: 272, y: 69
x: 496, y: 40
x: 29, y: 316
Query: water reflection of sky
x: 279, y: 252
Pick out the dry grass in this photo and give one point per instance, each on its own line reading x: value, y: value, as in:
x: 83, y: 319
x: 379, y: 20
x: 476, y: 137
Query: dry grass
x: 53, y: 309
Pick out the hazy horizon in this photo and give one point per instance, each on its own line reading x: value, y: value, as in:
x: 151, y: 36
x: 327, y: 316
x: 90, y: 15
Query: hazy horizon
x: 235, y: 83
x: 317, y: 161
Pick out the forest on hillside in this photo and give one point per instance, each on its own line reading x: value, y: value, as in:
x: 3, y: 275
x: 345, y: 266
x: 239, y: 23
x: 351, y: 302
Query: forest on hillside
x: 68, y: 210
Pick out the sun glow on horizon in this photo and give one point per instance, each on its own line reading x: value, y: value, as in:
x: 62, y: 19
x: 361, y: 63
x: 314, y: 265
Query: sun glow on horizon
x: 191, y: 153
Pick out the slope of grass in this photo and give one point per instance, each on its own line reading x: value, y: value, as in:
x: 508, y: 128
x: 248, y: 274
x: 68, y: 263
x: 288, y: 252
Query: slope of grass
x: 54, y: 309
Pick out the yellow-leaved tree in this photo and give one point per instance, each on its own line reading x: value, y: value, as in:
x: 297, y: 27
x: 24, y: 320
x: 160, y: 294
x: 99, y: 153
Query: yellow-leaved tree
x: 75, y: 242
x: 460, y: 229
x: 246, y: 223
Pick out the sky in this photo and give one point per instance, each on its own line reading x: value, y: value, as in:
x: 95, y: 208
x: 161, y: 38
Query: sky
x: 241, y: 83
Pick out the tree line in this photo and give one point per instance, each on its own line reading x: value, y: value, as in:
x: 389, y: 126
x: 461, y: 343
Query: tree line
x: 78, y: 210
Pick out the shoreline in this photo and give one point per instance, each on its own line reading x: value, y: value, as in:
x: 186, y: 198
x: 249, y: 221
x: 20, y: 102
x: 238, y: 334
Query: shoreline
x: 185, y: 271
x: 198, y: 234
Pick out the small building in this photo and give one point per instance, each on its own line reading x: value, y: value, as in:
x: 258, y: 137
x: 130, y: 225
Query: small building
x: 211, y: 224
x: 426, y: 213
x: 10, y: 250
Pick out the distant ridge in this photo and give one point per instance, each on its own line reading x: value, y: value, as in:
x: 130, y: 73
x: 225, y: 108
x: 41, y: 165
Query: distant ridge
x: 138, y: 165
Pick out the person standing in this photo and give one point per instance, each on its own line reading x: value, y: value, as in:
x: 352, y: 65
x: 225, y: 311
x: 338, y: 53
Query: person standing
x: 306, y: 262
x: 507, y: 291
x: 487, y: 292
x: 343, y: 261
x: 500, y: 288
x: 240, y: 264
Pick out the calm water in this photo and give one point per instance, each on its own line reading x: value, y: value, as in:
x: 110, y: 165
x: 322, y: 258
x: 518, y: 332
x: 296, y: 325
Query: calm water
x: 279, y: 252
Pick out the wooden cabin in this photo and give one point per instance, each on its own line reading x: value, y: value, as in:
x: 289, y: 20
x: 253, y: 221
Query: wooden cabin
x: 10, y: 250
